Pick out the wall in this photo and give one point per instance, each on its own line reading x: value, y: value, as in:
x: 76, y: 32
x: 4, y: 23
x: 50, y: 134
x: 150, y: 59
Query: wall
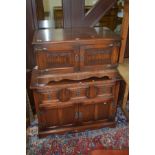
x: 49, y: 4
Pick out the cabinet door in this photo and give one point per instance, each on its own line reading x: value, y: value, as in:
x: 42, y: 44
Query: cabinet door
x: 55, y: 116
x: 98, y: 56
x: 101, y: 110
x: 58, y: 58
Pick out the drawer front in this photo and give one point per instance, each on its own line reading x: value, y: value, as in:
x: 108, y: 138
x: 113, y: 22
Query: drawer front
x: 58, y: 58
x: 98, y: 56
x: 75, y: 92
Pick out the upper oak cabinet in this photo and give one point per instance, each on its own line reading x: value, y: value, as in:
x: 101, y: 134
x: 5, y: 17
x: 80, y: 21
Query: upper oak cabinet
x: 80, y: 49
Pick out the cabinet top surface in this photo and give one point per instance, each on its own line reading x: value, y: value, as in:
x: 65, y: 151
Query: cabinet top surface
x: 73, y: 34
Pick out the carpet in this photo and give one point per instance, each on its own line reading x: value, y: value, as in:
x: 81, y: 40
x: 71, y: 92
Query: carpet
x: 79, y: 143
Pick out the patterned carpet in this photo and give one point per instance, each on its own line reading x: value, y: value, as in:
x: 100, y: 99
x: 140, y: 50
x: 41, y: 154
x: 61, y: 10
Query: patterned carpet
x: 79, y: 143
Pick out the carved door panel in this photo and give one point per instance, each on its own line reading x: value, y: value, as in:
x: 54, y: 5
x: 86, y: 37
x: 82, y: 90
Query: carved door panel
x: 86, y: 112
x: 54, y: 116
x: 57, y: 58
x: 57, y: 116
x: 96, y: 111
x: 98, y: 56
x: 103, y: 110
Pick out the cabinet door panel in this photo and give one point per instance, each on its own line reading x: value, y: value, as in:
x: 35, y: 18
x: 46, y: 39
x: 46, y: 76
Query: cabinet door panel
x: 48, y: 118
x: 57, y: 116
x: 98, y: 56
x: 68, y: 114
x: 86, y: 112
x: 61, y: 58
x: 94, y: 111
x: 103, y: 110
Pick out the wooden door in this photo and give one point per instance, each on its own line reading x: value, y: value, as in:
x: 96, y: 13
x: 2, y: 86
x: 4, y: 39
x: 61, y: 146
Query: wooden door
x: 98, y: 56
x: 57, y: 57
x: 103, y: 110
x: 86, y: 112
x: 99, y: 110
x: 55, y: 116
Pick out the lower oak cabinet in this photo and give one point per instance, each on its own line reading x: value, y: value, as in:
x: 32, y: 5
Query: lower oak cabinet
x: 71, y: 106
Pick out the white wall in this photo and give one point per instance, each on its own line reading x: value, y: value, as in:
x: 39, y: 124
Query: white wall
x: 90, y: 2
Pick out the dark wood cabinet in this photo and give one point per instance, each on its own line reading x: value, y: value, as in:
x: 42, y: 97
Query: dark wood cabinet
x: 76, y: 83
x: 72, y: 50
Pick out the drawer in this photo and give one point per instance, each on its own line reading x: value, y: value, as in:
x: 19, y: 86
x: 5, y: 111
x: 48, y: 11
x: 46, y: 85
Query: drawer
x: 69, y: 90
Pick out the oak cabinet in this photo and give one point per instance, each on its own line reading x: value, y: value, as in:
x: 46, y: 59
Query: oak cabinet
x: 76, y: 83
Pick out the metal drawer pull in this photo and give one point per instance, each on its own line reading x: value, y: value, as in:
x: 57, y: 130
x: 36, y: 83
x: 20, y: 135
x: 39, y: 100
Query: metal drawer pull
x: 105, y: 103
